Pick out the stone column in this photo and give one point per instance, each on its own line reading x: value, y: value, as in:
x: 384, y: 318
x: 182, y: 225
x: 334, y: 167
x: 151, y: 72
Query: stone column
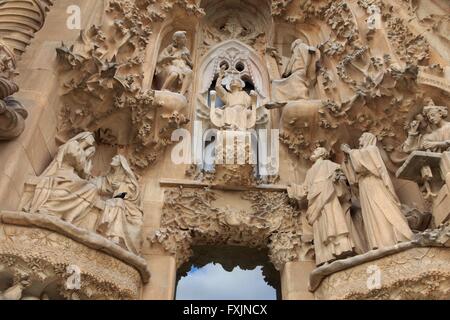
x: 162, y: 264
x: 295, y: 280
x: 20, y: 20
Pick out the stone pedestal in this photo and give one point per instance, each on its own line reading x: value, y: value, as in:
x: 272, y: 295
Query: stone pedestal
x: 61, y: 261
x: 234, y: 162
x: 417, y: 273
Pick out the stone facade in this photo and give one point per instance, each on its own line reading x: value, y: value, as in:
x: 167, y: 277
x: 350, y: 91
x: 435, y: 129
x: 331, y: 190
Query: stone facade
x: 314, y: 131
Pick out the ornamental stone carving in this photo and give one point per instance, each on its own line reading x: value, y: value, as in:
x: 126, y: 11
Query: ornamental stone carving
x: 16, y: 34
x: 12, y: 113
x: 104, y: 87
x: 41, y: 262
x: 277, y: 91
x: 109, y: 205
x: 328, y: 208
x: 199, y: 217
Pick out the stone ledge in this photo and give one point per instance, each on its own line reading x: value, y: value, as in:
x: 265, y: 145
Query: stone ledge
x: 87, y: 238
x: 439, y: 237
x: 193, y: 184
x: 411, y: 274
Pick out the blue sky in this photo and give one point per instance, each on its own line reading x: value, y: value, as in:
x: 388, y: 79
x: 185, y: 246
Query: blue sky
x: 212, y: 282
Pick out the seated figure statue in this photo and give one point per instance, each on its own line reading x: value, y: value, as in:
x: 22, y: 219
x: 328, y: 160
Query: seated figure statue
x: 299, y: 74
x: 236, y: 114
x: 121, y: 221
x: 438, y: 140
x: 174, y: 66
x: 63, y: 189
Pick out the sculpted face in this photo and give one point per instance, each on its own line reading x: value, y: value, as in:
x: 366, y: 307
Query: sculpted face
x: 362, y: 142
x: 235, y: 85
x: 115, y: 162
x: 319, y: 153
x: 89, y: 141
x: 180, y: 39
x: 434, y: 115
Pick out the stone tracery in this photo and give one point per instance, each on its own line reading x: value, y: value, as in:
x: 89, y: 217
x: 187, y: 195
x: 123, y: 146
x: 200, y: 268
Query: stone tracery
x: 352, y: 68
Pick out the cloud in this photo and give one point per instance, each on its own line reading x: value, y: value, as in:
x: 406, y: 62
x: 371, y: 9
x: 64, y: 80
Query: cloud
x: 212, y: 282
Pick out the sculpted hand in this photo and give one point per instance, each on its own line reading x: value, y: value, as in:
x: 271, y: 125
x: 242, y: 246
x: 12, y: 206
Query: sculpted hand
x: 431, y: 144
x: 222, y: 71
x: 346, y: 148
x: 414, y: 127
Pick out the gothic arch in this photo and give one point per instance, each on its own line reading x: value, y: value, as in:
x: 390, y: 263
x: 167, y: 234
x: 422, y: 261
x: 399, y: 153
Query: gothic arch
x: 236, y: 51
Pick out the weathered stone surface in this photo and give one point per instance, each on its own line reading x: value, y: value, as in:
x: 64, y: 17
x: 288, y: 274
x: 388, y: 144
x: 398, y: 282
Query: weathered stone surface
x: 158, y: 83
x: 89, y: 239
x: 45, y: 249
x: 417, y: 273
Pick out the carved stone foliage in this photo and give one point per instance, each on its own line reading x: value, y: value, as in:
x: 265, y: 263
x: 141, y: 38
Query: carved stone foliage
x: 226, y: 21
x: 202, y: 217
x: 421, y: 274
x: 103, y: 76
x: 367, y: 74
x: 56, y: 267
x: 422, y: 262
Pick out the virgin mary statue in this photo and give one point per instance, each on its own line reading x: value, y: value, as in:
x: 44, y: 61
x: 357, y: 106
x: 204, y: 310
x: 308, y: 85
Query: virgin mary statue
x: 121, y: 221
x: 384, y: 222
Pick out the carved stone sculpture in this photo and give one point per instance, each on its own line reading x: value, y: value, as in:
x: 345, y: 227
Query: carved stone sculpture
x: 121, y: 221
x: 12, y: 113
x: 68, y: 191
x: 174, y: 67
x: 374, y: 21
x: 436, y: 141
x: 360, y: 66
x: 384, y: 222
x: 299, y: 74
x: 323, y: 188
x: 235, y: 114
x: 19, y: 21
x: 63, y: 190
x: 15, y: 292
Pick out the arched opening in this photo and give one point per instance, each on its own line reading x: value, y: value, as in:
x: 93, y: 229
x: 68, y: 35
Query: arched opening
x: 219, y: 272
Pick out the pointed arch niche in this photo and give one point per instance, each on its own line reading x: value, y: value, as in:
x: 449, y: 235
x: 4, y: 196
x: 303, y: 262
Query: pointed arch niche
x: 241, y: 60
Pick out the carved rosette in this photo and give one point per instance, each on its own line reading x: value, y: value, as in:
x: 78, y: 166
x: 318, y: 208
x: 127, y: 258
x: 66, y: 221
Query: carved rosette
x: 57, y: 266
x: 197, y: 217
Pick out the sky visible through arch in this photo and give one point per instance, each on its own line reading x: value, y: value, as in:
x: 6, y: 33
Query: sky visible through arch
x: 212, y: 282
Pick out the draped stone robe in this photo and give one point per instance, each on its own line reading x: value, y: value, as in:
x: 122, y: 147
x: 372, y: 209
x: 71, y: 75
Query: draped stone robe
x: 384, y: 222
x: 122, y: 219
x: 300, y: 73
x: 236, y: 113
x: 441, y: 134
x: 62, y: 190
x: 332, y: 238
